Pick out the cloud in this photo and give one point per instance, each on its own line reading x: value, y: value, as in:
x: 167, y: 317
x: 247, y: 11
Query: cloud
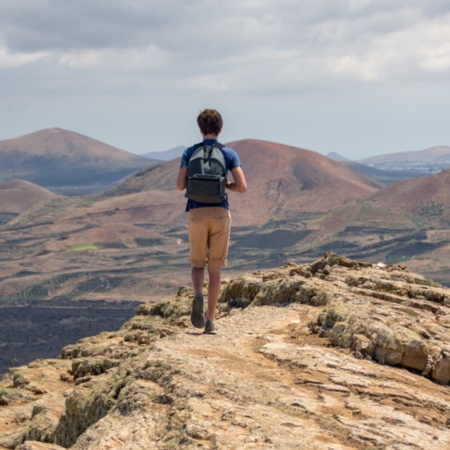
x: 184, y: 53
x: 9, y: 60
x: 139, y: 59
x: 358, y: 41
x: 436, y: 59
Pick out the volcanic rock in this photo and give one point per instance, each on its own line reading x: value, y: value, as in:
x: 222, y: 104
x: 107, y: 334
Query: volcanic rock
x: 338, y: 354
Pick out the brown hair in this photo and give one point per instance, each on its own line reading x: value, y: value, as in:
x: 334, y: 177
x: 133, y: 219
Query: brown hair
x: 210, y: 121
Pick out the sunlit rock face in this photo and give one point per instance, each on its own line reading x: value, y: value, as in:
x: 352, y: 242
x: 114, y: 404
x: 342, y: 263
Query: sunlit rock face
x: 337, y: 354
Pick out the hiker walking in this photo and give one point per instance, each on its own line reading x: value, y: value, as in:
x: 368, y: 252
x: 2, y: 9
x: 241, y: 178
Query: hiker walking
x: 203, y: 173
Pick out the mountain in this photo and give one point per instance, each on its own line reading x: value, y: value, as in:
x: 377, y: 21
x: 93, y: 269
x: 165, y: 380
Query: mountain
x: 429, y: 155
x: 166, y: 155
x: 283, y: 181
x: 407, y: 222
x: 71, y: 245
x: 59, y: 158
x: 333, y: 354
x: 385, y: 176
x: 426, y: 202
x: 17, y: 196
x: 394, y: 167
x: 299, y: 204
x: 337, y: 157
x: 416, y: 195
x: 158, y: 176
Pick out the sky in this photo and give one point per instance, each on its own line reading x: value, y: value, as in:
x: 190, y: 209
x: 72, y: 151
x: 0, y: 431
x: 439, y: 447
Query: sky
x: 355, y: 77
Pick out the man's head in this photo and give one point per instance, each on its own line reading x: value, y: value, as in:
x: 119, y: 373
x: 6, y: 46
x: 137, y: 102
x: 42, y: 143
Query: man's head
x: 210, y: 122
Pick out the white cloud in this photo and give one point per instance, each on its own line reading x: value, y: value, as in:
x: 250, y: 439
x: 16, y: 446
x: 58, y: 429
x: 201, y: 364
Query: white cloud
x: 434, y: 49
x: 436, y: 59
x: 13, y: 59
x: 360, y: 41
x: 146, y: 58
x: 257, y: 56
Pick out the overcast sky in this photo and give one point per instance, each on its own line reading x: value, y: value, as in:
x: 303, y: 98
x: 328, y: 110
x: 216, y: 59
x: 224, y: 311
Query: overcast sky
x: 356, y: 77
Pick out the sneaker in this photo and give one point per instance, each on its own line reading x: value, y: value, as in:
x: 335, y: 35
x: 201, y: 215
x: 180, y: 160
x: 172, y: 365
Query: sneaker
x: 210, y: 328
x: 197, y: 319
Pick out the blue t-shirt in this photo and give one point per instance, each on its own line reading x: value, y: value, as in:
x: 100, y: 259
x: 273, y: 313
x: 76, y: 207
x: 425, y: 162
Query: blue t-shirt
x: 231, y: 161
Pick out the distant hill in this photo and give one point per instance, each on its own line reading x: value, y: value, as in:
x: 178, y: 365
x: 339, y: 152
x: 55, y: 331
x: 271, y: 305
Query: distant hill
x: 118, y: 244
x: 283, y: 181
x: 412, y: 205
x: 59, y: 158
x: 337, y: 157
x: 433, y: 154
x: 382, y: 175
x: 417, y: 195
x: 407, y: 222
x: 17, y: 196
x: 394, y: 167
x: 166, y: 155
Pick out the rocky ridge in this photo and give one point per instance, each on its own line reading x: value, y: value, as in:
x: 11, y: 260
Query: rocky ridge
x: 337, y: 354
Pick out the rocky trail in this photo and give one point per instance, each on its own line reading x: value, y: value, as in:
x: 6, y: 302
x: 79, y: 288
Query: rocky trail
x: 336, y: 355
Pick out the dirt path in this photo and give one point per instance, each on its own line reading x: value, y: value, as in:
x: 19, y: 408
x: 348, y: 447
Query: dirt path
x: 262, y: 383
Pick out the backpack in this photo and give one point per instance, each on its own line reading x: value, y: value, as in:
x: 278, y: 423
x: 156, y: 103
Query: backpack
x: 206, y: 176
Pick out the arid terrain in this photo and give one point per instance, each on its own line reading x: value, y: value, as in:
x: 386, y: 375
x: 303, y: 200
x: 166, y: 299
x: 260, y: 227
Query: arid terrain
x: 131, y: 239
x: 133, y: 236
x: 337, y: 354
x: 129, y: 242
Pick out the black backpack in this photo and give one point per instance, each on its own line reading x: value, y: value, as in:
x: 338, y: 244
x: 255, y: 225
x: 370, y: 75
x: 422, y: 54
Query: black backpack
x: 206, y: 177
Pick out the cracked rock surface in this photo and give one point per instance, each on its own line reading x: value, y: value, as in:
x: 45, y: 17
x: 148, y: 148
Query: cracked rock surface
x: 333, y: 355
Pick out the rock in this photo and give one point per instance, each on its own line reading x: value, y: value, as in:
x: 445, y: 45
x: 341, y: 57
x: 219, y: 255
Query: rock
x: 338, y: 354
x: 415, y: 355
x: 33, y: 445
x: 19, y: 380
x: 441, y: 370
x: 95, y: 365
x: 37, y: 389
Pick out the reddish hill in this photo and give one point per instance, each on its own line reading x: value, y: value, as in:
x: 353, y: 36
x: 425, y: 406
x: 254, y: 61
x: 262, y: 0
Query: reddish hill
x: 416, y: 203
x: 159, y: 176
x: 59, y: 142
x: 17, y: 196
x: 58, y: 157
x: 283, y: 181
x: 298, y: 205
x: 417, y: 194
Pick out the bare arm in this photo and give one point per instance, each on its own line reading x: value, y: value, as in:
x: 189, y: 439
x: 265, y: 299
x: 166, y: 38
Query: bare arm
x: 239, y: 184
x: 182, y: 179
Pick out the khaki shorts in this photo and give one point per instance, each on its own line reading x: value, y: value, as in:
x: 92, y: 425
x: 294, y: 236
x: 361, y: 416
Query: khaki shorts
x: 209, y: 236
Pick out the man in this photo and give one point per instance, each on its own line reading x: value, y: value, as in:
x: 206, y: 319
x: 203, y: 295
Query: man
x: 209, y: 223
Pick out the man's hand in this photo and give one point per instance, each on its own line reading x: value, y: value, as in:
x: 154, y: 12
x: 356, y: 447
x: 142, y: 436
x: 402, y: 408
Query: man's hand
x: 239, y: 184
x: 182, y: 179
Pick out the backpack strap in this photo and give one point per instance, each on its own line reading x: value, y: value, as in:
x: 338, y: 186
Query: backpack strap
x: 216, y: 144
x: 209, y: 149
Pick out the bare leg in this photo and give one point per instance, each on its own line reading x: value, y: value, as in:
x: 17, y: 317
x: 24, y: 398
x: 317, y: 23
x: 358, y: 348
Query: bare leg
x: 198, y: 278
x: 197, y: 317
x: 213, y: 291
